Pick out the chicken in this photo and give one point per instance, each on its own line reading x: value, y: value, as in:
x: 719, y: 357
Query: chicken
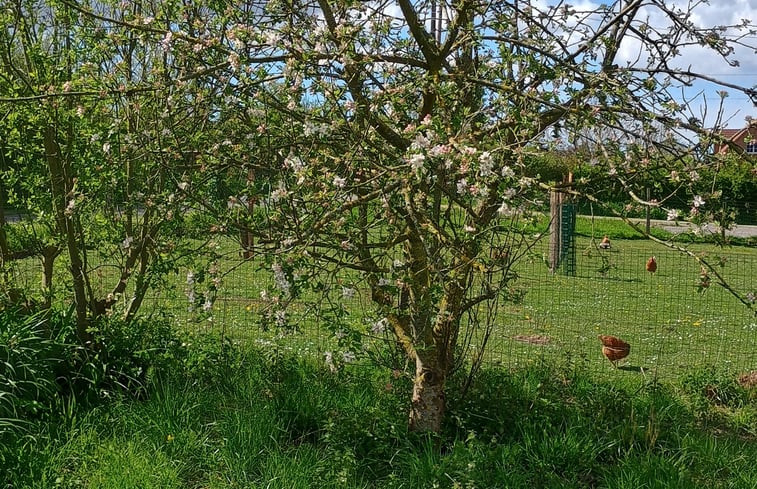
x: 614, y: 348
x: 605, y: 243
x: 651, y: 265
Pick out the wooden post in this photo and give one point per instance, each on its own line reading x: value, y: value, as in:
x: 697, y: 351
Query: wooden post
x: 555, y: 226
x: 648, y: 213
x: 248, y: 240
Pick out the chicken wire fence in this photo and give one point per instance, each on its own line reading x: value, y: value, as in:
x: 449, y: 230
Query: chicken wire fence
x: 677, y: 318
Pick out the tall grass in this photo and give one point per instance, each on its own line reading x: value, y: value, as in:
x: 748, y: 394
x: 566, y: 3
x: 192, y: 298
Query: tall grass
x: 288, y: 423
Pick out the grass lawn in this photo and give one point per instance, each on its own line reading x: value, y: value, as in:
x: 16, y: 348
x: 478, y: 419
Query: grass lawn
x: 289, y: 424
x: 671, y: 325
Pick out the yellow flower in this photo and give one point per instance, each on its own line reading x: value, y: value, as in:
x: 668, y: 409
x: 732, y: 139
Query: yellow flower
x: 169, y: 438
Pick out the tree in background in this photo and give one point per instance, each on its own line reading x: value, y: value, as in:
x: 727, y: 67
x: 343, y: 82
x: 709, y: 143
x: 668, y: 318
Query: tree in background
x: 389, y: 142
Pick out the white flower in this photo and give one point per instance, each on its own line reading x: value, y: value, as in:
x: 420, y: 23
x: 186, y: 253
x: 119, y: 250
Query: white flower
x: 207, y: 305
x: 280, y: 278
x: 183, y: 185
x: 348, y: 357
x: 339, y: 182
x: 280, y: 317
x: 469, y: 229
x: 190, y: 277
x: 126, y: 243
x: 694, y: 175
x: 673, y: 214
x: 165, y: 43
x: 420, y: 142
x: 507, y: 172
x: 416, y: 161
x: 462, y: 186
x: 379, y: 326
x: 504, y: 209
x: 348, y: 292
x: 67, y: 86
x: 329, y: 358
x: 148, y: 20
x: 233, y: 60
x: 698, y: 201
x: 106, y: 148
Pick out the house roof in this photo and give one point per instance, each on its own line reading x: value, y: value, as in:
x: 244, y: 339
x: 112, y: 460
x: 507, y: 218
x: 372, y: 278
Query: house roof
x: 730, y: 133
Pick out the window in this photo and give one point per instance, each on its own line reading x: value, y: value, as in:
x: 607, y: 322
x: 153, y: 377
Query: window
x: 751, y: 147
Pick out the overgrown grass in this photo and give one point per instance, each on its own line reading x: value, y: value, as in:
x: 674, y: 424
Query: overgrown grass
x: 288, y: 423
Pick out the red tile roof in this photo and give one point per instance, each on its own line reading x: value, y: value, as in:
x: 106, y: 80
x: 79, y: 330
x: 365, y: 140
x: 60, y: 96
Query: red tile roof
x: 729, y: 133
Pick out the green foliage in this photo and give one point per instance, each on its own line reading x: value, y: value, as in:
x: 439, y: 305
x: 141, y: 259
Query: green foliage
x: 718, y: 399
x: 28, y: 360
x: 287, y: 423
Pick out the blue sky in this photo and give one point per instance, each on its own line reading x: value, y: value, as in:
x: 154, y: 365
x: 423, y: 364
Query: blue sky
x: 704, y: 99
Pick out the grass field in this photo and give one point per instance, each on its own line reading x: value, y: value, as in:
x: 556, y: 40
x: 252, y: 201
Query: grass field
x: 671, y: 325
x: 547, y: 410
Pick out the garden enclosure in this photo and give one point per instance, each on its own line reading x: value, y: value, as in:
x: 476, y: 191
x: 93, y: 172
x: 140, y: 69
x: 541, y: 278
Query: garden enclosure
x: 675, y: 319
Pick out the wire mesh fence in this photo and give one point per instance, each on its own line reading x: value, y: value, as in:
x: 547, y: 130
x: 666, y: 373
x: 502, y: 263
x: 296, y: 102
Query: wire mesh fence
x: 675, y: 318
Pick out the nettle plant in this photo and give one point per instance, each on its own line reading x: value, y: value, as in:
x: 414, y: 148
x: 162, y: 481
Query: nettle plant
x: 381, y: 148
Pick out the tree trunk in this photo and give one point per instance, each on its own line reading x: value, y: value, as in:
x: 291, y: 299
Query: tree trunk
x: 49, y: 254
x: 61, y: 192
x: 428, y: 402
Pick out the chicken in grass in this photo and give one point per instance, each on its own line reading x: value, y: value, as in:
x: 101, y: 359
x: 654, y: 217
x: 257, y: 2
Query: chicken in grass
x: 651, y: 265
x: 614, y: 348
x: 605, y: 243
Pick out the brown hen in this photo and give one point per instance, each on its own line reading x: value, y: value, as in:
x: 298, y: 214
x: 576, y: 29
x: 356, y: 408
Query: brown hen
x: 651, y: 265
x: 614, y: 348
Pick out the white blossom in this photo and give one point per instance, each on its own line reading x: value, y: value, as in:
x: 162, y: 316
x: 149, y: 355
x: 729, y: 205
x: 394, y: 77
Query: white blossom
x: 280, y: 318
x: 280, y: 278
x: 673, y: 214
x: 233, y: 60
x: 416, y: 161
x: 348, y: 292
x: 165, y: 43
x: 379, y: 326
x: 698, y: 201
x: 339, y: 182
x: 348, y: 357
x: 329, y: 359
x: 507, y: 172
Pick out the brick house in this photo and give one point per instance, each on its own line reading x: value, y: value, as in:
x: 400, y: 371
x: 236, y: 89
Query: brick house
x: 745, y: 138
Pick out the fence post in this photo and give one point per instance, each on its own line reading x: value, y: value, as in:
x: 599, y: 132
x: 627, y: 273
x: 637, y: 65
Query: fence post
x: 555, y: 234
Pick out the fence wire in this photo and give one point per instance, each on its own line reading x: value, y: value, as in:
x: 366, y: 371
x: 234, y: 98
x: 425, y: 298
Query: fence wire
x: 675, y: 319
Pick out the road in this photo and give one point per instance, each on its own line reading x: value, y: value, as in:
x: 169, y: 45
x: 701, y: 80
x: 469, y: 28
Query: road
x: 738, y: 231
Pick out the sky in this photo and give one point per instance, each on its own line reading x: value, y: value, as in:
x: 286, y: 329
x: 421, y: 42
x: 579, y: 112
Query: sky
x: 705, y: 100
x: 737, y: 105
